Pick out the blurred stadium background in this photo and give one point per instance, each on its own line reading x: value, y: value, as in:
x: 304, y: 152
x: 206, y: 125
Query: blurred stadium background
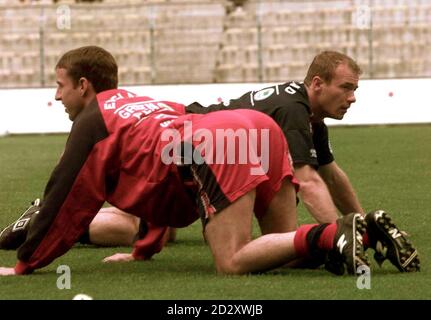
x: 214, y: 41
x: 219, y: 41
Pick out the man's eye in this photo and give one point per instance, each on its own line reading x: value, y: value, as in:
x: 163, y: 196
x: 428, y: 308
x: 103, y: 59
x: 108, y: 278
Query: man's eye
x: 349, y: 88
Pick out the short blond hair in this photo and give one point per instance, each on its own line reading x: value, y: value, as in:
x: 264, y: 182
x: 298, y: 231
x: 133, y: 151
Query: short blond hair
x: 325, y: 63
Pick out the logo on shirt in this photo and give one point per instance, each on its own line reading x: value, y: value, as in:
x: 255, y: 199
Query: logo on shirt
x: 263, y: 94
x: 141, y: 108
x: 292, y: 88
x: 110, y: 103
x: 313, y: 153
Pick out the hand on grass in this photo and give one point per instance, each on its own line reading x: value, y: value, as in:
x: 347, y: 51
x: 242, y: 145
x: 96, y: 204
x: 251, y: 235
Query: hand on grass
x: 7, y: 271
x: 119, y: 257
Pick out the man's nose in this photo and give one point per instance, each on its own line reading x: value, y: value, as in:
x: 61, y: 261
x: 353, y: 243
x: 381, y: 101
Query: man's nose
x: 351, y: 98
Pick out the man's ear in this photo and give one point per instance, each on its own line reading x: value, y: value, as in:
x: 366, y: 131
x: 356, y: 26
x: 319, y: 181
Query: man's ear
x: 85, y: 86
x: 317, y: 83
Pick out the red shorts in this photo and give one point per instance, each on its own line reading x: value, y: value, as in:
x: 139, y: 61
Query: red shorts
x: 230, y: 153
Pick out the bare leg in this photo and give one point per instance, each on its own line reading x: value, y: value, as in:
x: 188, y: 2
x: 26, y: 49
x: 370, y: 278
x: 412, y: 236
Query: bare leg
x: 281, y: 215
x: 113, y: 227
x: 228, y: 234
x: 276, y: 219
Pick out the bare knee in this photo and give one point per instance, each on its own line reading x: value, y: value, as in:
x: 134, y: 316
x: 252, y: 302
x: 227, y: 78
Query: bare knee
x: 228, y: 232
x: 111, y: 229
x: 230, y: 267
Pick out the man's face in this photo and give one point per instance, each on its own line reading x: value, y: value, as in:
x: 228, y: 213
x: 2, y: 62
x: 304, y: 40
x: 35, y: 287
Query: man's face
x: 68, y: 94
x: 337, y: 96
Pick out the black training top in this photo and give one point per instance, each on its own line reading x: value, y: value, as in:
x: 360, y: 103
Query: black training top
x: 288, y: 105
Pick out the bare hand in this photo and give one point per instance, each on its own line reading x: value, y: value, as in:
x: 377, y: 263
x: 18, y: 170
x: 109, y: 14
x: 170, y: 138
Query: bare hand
x: 7, y: 271
x: 119, y: 257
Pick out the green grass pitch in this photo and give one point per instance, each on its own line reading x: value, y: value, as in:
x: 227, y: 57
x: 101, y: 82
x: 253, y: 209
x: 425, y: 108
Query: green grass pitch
x: 389, y: 166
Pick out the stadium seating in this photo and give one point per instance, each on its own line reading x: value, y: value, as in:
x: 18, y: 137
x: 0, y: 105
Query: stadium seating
x: 195, y: 41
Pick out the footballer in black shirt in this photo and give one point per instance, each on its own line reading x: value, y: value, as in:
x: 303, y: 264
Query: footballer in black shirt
x: 288, y: 105
x: 300, y: 109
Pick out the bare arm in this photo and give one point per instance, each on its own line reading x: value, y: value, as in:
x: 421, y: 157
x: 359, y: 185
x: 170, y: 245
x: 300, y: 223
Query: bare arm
x: 340, y: 188
x: 7, y: 271
x: 315, y: 194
